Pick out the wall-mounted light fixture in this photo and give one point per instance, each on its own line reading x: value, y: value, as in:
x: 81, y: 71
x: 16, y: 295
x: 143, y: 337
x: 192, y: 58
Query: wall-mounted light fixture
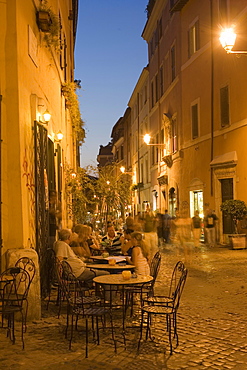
x: 59, y: 136
x: 147, y: 139
x: 47, y: 116
x: 227, y: 39
x: 122, y: 169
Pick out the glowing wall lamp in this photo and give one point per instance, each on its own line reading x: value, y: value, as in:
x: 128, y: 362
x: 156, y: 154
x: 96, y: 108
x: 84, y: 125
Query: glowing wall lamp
x: 147, y: 139
x: 227, y: 39
x: 59, y: 136
x: 122, y: 169
x: 47, y: 116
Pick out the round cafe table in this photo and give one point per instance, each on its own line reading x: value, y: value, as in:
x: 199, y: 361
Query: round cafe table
x: 116, y: 281
x: 113, y: 269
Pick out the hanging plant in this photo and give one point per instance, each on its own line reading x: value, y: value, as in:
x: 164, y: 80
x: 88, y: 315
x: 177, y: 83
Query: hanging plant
x: 48, y: 22
x: 72, y: 103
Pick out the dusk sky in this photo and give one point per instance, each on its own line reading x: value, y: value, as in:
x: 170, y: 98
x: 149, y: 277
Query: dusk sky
x: 109, y: 57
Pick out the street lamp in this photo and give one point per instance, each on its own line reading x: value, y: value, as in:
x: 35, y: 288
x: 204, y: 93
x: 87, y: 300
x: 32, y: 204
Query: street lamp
x: 47, y: 116
x: 58, y: 136
x: 227, y: 39
x: 147, y: 139
x: 122, y: 169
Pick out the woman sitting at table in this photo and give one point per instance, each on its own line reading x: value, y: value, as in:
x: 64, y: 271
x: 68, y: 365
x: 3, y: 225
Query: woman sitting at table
x: 81, y: 241
x: 126, y: 244
x: 140, y: 255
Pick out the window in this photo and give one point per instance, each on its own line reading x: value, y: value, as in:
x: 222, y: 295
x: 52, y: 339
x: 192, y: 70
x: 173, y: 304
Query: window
x: 193, y: 38
x: 145, y: 94
x: 224, y: 106
x: 194, y: 121
x: 147, y: 170
x: 152, y: 94
x: 173, y: 65
x: 157, y: 149
x: 174, y: 136
x: 161, y: 81
x: 156, y: 89
x: 122, y: 152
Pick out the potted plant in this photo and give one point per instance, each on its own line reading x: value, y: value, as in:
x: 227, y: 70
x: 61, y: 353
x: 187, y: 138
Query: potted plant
x: 237, y: 210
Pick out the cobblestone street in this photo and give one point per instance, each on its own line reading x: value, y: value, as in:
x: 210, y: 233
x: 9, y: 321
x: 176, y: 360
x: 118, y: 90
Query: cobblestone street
x: 211, y: 325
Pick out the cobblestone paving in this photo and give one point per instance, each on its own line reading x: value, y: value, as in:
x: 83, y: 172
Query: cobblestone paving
x: 211, y: 325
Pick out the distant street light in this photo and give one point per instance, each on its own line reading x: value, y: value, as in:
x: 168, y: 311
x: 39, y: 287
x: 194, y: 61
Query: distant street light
x: 227, y: 39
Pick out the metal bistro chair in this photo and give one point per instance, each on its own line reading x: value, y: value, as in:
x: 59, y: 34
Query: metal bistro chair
x: 28, y: 265
x: 14, y: 287
x: 51, y: 261
x: 147, y: 289
x: 79, y: 306
x: 164, y: 308
x: 175, y: 280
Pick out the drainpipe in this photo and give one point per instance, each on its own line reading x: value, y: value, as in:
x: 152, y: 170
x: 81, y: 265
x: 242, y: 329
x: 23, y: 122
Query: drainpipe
x: 1, y: 240
x: 138, y: 153
x: 212, y: 97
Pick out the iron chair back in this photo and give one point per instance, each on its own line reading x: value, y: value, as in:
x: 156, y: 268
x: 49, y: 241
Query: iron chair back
x: 80, y: 305
x: 14, y: 287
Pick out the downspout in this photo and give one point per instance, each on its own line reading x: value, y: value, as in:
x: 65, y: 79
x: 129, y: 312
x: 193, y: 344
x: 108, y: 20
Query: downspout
x: 1, y: 240
x: 212, y: 99
x: 138, y: 151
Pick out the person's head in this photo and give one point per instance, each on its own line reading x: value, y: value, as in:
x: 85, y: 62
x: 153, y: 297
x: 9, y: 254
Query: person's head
x: 127, y: 233
x: 84, y: 232
x: 166, y: 211
x: 137, y: 241
x: 111, y: 230
x: 77, y: 228
x: 64, y: 235
x: 196, y: 213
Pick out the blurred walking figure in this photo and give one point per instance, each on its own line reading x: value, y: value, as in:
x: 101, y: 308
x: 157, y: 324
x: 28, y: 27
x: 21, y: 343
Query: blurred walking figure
x: 160, y: 229
x: 166, y: 226
x: 129, y: 222
x: 196, y: 225
x: 150, y: 234
x: 210, y: 221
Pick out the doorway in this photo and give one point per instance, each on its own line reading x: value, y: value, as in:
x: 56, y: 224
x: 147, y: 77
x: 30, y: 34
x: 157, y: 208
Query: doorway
x: 226, y: 194
x: 196, y: 203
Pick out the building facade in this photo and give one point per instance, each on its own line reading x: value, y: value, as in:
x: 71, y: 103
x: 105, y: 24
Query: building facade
x: 36, y: 77
x: 191, y: 100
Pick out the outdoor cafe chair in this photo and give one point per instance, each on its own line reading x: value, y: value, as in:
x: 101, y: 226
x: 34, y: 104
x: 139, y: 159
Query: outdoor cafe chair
x: 51, y: 261
x: 14, y: 287
x: 174, y: 282
x: 169, y: 310
x: 83, y: 307
x: 28, y: 265
x: 147, y: 289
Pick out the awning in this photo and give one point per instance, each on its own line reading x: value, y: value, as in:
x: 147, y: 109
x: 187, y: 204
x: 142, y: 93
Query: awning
x: 227, y: 159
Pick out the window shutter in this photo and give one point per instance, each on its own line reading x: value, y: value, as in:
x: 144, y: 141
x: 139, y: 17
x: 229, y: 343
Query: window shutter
x: 194, y: 117
x: 224, y: 106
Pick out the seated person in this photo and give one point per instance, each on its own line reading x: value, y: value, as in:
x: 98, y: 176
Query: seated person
x: 112, y: 241
x: 126, y: 242
x: 140, y: 255
x: 79, y: 269
x: 82, y: 241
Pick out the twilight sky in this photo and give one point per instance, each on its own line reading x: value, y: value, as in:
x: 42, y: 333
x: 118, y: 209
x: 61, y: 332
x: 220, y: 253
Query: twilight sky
x: 109, y: 57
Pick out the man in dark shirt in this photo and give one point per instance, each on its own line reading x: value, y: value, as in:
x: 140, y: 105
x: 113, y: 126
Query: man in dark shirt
x: 112, y: 241
x: 210, y: 221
